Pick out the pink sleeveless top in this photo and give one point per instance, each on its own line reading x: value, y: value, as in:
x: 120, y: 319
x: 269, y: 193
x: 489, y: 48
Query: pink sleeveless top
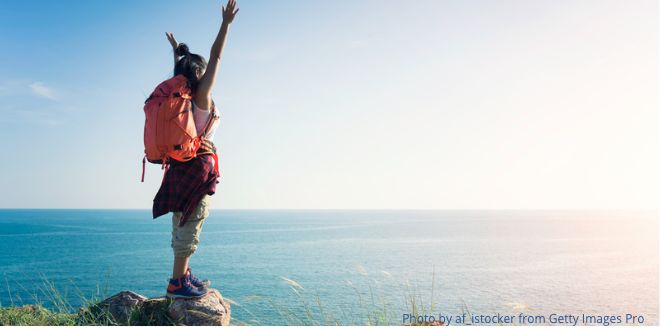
x: 201, y: 117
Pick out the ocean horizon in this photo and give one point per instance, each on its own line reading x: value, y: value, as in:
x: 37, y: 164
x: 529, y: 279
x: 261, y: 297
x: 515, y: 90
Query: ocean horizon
x: 537, y: 262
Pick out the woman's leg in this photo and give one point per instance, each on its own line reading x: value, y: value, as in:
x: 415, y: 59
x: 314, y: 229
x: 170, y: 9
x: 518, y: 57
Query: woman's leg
x: 184, y: 243
x: 185, y: 239
x: 180, y: 266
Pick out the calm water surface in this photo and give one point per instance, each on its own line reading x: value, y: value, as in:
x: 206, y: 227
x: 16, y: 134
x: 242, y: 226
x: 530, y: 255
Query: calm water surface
x: 536, y: 262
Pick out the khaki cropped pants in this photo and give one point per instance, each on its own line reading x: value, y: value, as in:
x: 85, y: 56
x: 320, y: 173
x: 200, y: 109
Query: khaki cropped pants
x: 185, y: 239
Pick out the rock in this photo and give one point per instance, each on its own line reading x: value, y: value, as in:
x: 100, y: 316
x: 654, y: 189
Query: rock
x: 129, y: 308
x: 121, y: 306
x: 210, y: 309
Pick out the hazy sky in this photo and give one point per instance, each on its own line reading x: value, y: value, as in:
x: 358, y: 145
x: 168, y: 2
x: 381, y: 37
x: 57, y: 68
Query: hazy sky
x: 342, y: 104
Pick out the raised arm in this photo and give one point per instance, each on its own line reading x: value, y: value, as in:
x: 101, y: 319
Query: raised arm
x: 174, y: 43
x: 207, y: 81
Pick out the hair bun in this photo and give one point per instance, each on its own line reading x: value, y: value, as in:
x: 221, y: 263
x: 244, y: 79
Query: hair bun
x: 182, y: 50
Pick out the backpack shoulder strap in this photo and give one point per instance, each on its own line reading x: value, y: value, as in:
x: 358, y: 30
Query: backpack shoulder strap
x: 211, y: 120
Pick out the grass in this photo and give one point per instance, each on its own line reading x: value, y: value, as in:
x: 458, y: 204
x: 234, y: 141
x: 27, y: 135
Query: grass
x: 371, y: 306
x: 59, y: 313
x: 92, y: 313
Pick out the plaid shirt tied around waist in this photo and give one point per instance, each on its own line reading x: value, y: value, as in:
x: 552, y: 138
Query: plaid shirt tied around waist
x: 184, y: 185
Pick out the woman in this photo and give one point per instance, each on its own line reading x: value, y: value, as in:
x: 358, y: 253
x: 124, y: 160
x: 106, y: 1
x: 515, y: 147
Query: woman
x: 186, y: 187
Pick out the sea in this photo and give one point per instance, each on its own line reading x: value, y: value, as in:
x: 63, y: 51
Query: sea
x: 352, y: 267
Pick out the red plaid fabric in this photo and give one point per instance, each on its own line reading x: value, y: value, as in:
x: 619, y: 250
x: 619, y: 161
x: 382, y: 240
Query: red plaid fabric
x: 184, y: 186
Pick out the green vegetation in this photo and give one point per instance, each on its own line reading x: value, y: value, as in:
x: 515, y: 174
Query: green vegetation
x: 371, y: 307
x: 59, y: 313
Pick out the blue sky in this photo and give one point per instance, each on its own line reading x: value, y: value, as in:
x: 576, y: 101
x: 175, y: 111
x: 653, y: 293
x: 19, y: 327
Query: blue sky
x: 342, y: 104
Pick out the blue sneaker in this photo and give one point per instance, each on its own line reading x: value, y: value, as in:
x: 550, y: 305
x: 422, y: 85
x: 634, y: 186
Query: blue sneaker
x: 196, y: 281
x: 183, y: 288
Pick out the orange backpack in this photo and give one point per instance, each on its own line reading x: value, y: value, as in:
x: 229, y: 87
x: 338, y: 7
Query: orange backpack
x: 169, y: 128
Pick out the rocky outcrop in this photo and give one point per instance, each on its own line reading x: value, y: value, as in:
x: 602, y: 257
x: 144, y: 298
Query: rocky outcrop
x: 209, y: 310
x: 129, y: 308
x: 119, y: 307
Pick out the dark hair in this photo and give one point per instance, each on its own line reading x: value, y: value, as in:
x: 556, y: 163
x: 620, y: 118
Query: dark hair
x: 188, y: 64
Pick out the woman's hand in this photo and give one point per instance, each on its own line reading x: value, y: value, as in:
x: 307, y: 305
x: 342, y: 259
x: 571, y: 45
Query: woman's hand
x: 229, y: 12
x: 174, y: 43
x: 172, y: 40
x: 207, y: 81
